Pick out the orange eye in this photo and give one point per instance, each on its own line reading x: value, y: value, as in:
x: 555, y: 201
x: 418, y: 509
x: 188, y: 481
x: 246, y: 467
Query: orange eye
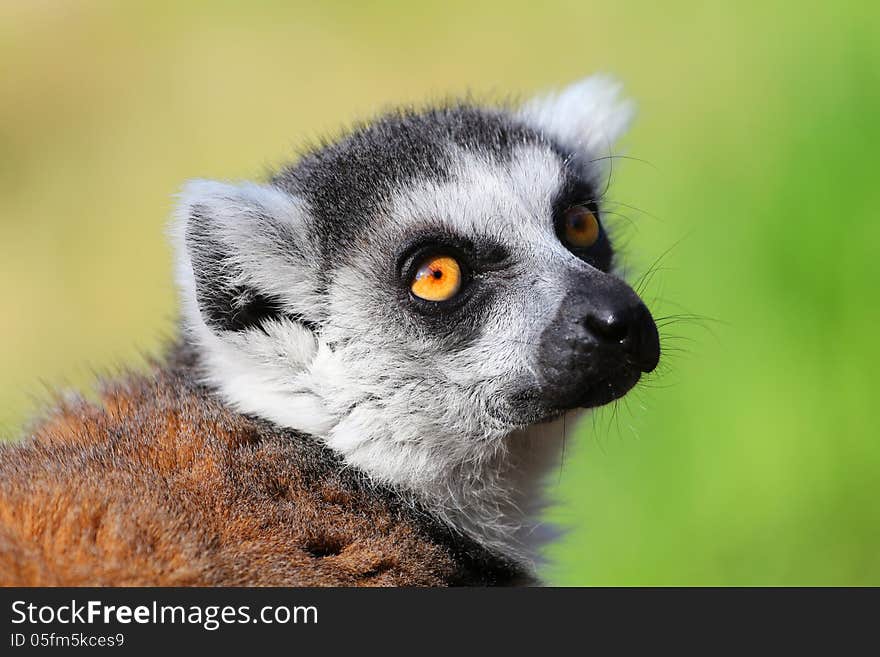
x: 580, y: 228
x: 437, y: 279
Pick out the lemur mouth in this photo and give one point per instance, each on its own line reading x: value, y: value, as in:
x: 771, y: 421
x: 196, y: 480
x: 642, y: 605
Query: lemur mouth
x: 591, y: 388
x: 568, y: 391
x: 609, y: 389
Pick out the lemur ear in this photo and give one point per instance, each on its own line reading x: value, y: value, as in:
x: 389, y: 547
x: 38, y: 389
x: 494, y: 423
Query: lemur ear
x: 249, y: 283
x: 589, y: 115
x: 243, y: 256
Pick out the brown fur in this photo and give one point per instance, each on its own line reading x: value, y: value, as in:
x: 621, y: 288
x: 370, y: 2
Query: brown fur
x: 163, y: 485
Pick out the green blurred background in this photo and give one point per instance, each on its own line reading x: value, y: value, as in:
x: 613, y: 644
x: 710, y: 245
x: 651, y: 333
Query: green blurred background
x: 752, y: 458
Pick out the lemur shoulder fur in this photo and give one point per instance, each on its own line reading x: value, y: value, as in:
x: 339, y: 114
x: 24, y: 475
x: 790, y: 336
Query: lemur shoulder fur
x: 377, y: 346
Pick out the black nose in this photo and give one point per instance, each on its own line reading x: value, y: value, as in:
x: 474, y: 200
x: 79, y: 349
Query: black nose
x: 629, y: 325
x: 596, y: 347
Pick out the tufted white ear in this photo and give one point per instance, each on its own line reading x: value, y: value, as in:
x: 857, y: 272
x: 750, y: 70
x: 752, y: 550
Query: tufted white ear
x: 243, y: 255
x: 246, y: 269
x: 589, y: 115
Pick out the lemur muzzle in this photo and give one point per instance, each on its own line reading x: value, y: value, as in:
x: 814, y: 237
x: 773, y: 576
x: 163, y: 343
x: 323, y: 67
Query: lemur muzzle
x: 598, y: 345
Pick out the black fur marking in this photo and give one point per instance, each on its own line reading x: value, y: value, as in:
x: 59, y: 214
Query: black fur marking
x: 458, y: 320
x: 576, y: 191
x: 347, y: 182
x: 243, y: 308
x: 227, y: 307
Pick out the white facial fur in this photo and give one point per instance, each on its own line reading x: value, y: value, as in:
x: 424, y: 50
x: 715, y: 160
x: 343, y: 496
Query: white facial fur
x: 395, y: 401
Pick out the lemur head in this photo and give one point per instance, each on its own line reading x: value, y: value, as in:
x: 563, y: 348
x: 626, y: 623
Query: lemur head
x: 423, y: 288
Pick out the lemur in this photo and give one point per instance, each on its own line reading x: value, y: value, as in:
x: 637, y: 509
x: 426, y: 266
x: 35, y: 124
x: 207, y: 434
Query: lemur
x: 377, y: 348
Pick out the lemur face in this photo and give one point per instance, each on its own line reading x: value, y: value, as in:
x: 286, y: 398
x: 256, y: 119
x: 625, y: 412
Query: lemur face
x: 422, y: 288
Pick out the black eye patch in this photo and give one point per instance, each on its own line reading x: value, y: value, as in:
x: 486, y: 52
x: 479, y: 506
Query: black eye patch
x: 477, y: 254
x: 574, y: 193
x: 458, y: 320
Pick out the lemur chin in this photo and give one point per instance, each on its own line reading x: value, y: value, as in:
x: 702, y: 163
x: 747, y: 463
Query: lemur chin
x: 376, y: 346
